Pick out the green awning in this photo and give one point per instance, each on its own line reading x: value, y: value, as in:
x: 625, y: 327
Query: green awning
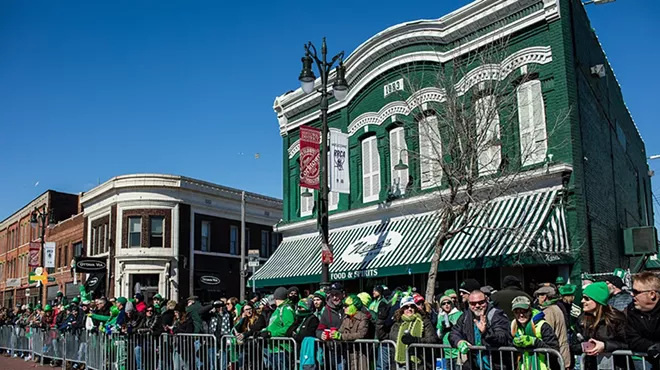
x: 525, y: 228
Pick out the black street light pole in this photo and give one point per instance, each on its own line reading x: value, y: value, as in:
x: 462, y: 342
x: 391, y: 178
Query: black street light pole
x: 339, y: 90
x: 40, y: 217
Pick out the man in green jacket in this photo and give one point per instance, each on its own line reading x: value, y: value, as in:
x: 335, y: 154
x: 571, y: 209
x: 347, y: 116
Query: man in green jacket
x: 276, y: 355
x: 192, y: 310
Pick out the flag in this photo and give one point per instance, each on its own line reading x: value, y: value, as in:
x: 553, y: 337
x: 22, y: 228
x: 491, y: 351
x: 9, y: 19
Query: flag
x: 33, y: 260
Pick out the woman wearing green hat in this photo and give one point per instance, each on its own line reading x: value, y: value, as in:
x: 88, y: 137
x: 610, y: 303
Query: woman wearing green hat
x: 355, y: 325
x: 601, y: 329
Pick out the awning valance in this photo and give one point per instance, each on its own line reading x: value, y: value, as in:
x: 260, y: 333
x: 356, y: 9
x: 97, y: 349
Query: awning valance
x: 525, y: 228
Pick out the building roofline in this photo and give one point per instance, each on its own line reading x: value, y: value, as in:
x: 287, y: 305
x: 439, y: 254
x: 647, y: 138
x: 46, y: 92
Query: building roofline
x: 155, y: 180
x: 29, y: 205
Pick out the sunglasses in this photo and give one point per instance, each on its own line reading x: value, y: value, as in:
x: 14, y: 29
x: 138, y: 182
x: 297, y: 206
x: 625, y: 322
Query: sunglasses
x: 586, y: 299
x: 636, y: 292
x: 409, y: 307
x: 477, y: 303
x: 150, y: 311
x: 446, y: 303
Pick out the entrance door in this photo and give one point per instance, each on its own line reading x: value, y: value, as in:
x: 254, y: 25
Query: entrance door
x: 147, y: 284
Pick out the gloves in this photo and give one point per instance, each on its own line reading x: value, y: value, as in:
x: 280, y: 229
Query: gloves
x: 463, y: 347
x: 408, y: 339
x: 654, y: 351
x: 524, y: 341
x: 336, y: 335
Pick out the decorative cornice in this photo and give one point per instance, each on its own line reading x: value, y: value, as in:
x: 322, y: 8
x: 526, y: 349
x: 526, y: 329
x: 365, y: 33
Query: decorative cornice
x: 536, y: 54
x: 170, y: 181
x: 441, y: 31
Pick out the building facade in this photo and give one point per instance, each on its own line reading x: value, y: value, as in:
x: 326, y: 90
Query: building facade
x: 16, y: 236
x: 587, y: 182
x: 175, y: 235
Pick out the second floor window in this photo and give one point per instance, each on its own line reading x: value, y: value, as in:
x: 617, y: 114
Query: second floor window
x: 531, y: 117
x: 370, y: 170
x: 156, y: 231
x: 206, y: 236
x: 134, y: 232
x: 233, y: 240
x: 398, y: 153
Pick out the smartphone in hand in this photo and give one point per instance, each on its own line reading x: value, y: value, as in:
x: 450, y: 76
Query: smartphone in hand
x: 588, y: 346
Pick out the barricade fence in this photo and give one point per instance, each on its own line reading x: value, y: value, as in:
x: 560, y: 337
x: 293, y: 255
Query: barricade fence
x: 145, y: 351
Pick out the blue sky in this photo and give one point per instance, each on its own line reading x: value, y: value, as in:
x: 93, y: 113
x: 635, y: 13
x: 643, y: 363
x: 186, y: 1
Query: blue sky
x: 94, y: 89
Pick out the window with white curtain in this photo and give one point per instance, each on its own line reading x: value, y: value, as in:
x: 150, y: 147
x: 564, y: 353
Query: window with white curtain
x: 531, y: 116
x: 398, y: 152
x: 306, y: 202
x: 430, y: 152
x: 488, y: 126
x: 370, y: 170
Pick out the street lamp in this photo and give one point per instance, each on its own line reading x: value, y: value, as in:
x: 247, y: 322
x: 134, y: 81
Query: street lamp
x: 340, y: 91
x: 41, y: 216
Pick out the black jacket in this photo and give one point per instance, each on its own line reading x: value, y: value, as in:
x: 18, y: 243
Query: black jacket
x: 383, y: 321
x: 330, y: 318
x: 258, y: 325
x: 642, y: 328
x: 502, y: 299
x: 498, y: 333
x: 306, y: 328
x: 613, y: 336
x: 167, y: 318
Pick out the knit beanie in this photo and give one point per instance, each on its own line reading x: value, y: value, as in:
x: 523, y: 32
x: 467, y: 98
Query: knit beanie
x: 281, y: 293
x: 321, y: 294
x: 365, y: 298
x: 379, y: 289
x: 302, y: 309
x: 449, y: 292
x: 353, y: 303
x: 598, y: 292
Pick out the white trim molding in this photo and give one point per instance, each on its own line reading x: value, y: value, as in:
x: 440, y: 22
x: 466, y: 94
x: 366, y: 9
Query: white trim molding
x: 449, y: 28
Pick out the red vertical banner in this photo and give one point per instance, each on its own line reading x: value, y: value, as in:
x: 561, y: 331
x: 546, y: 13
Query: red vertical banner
x: 35, y: 251
x: 310, y: 157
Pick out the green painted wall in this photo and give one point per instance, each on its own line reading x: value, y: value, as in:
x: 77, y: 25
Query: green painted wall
x: 609, y: 190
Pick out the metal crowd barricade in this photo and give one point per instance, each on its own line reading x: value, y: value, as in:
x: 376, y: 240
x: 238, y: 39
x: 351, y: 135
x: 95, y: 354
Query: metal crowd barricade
x: 75, y: 346
x: 188, y: 352
x: 37, y: 342
x: 623, y: 359
x: 257, y: 353
x: 95, y: 343
x: 440, y: 356
x: 53, y: 345
x: 354, y: 355
x: 5, y: 337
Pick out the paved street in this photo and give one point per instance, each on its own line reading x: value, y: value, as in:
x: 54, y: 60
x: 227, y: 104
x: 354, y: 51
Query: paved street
x: 7, y: 363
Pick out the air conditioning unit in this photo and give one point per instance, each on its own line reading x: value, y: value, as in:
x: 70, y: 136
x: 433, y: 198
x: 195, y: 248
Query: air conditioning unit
x: 640, y: 241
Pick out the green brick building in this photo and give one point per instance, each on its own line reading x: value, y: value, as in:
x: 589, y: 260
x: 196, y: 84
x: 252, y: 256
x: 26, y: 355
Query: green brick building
x: 589, y: 184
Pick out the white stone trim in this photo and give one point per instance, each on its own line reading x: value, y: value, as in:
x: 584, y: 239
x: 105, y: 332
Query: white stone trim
x: 294, y: 148
x: 432, y: 31
x: 535, y: 54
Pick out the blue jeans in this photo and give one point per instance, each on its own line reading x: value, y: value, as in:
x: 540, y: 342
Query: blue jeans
x: 384, y: 361
x: 276, y: 360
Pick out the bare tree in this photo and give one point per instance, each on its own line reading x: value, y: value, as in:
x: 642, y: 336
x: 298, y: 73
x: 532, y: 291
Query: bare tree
x: 467, y: 110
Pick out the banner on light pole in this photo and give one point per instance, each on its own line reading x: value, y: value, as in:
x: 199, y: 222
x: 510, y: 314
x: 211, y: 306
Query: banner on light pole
x: 310, y: 157
x: 339, y: 172
x: 35, y: 249
x: 49, y: 254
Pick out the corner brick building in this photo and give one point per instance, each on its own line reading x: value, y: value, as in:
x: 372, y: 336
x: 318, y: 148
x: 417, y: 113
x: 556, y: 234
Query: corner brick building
x: 590, y: 184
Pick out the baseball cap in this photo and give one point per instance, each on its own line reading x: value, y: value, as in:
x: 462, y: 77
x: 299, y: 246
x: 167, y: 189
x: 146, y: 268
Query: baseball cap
x: 521, y: 302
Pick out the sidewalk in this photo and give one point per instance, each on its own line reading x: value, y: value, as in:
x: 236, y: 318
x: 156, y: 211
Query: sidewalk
x: 8, y: 363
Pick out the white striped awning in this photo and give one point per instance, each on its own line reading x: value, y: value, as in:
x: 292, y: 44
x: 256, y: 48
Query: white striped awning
x: 529, y: 224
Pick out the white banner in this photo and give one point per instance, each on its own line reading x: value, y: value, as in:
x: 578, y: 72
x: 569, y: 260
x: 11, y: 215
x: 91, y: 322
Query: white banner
x: 338, y: 162
x: 13, y: 283
x: 49, y: 254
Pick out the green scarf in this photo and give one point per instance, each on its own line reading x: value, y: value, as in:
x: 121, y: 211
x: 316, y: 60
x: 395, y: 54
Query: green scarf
x: 415, y: 326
